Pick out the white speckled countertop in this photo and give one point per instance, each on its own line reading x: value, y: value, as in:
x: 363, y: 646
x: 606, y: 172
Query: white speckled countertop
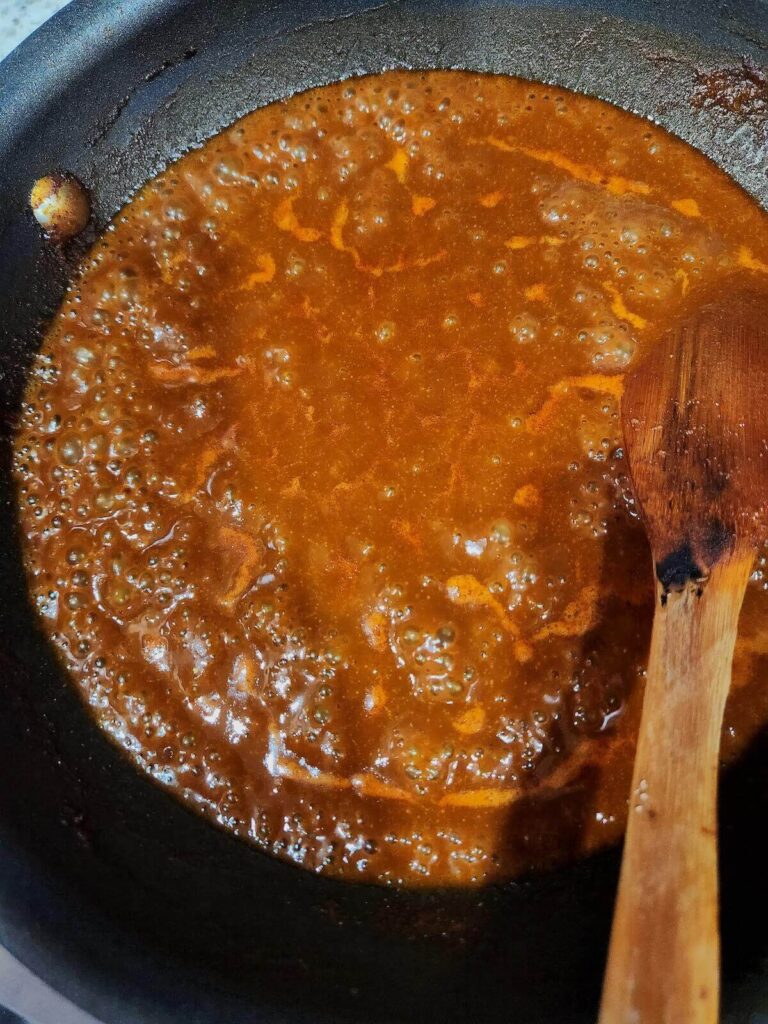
x: 20, y: 17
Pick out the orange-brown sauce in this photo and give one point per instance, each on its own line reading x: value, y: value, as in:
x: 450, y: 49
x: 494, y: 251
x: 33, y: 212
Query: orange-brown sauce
x: 321, y: 474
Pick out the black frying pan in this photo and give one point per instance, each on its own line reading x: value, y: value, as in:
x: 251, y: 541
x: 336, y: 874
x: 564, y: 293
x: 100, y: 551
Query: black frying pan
x: 119, y: 897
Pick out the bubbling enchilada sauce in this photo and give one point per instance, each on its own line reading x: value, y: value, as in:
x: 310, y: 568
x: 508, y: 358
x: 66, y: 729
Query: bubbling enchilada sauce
x: 321, y: 473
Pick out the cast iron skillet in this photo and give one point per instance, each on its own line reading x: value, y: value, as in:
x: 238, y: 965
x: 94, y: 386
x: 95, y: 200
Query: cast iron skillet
x: 120, y: 898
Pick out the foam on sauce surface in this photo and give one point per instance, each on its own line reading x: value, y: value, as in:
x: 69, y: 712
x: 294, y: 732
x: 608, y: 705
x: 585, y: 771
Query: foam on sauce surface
x: 321, y: 475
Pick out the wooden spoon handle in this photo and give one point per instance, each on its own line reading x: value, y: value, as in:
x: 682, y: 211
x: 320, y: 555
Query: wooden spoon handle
x: 664, y: 957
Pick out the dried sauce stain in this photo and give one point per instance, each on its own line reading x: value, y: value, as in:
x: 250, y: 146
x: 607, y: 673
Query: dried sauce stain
x: 741, y: 90
x: 321, y: 476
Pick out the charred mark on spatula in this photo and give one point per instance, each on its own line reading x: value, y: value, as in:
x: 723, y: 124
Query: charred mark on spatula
x: 682, y: 568
x: 716, y: 540
x: 678, y: 570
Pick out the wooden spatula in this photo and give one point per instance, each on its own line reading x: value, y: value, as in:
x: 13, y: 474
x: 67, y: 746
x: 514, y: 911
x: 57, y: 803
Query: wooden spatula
x: 696, y: 429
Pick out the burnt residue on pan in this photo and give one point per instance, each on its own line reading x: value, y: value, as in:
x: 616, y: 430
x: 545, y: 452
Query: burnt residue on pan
x: 739, y: 90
